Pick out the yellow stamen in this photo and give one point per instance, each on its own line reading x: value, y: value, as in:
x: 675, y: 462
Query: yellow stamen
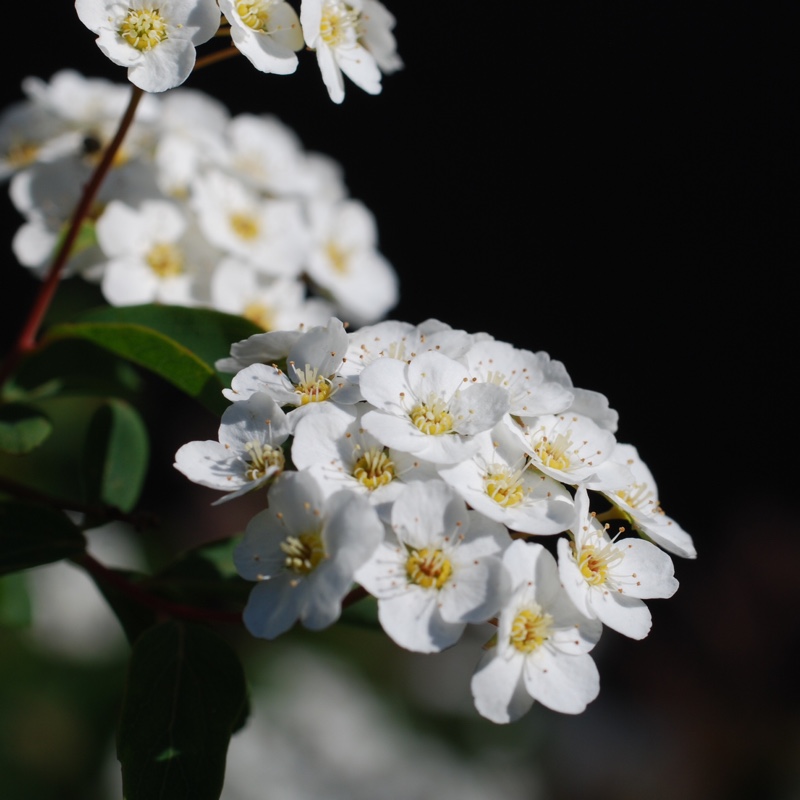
x: 428, y: 568
x: 303, y: 552
x: 144, y: 28
x: 530, y: 629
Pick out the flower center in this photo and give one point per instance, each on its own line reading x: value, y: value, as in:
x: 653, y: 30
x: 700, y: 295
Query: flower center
x: 312, y: 387
x: 428, y: 568
x: 638, y: 496
x: 339, y: 24
x: 261, y: 314
x: 553, y: 453
x: 143, y: 28
x: 303, y: 552
x: 254, y: 14
x: 165, y: 260
x: 432, y: 417
x: 261, y: 458
x: 374, y: 469
x: 504, y: 485
x: 244, y: 225
x: 530, y: 629
x: 596, y: 562
x: 339, y: 259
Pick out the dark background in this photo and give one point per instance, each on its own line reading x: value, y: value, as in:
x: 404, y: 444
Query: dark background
x: 614, y: 183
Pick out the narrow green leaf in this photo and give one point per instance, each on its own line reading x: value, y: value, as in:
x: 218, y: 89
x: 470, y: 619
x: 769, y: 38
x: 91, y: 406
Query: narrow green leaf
x: 31, y: 535
x: 156, y: 352
x: 185, y: 696
x: 22, y: 428
x: 116, y: 455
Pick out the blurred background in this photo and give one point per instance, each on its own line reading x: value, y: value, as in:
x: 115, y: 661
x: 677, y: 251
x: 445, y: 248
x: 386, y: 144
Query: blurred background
x: 614, y: 183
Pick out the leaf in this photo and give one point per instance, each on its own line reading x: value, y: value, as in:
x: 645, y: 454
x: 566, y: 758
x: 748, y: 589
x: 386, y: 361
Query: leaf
x: 156, y: 352
x: 115, y: 455
x: 22, y: 428
x: 32, y: 535
x: 15, y: 601
x: 185, y: 696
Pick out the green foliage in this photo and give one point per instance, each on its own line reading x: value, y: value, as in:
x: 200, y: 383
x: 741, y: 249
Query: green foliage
x: 22, y: 428
x: 186, y: 694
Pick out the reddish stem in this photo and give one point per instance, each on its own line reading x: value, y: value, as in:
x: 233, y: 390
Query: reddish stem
x: 27, y: 337
x: 143, y: 597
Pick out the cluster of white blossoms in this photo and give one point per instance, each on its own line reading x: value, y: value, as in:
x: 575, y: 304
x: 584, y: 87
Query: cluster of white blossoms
x: 157, y: 39
x: 200, y: 207
x: 457, y: 479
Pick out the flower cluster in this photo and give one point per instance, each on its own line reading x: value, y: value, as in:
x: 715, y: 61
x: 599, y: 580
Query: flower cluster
x: 157, y: 41
x: 200, y: 207
x: 457, y: 479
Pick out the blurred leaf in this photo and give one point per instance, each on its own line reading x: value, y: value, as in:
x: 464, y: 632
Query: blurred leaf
x: 208, y: 334
x: 57, y: 469
x: 116, y: 455
x: 15, y: 601
x: 156, y: 352
x: 31, y: 535
x: 186, y: 694
x: 22, y: 428
x: 61, y: 366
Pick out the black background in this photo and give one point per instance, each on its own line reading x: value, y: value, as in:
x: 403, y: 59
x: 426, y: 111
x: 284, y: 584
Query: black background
x: 614, y: 183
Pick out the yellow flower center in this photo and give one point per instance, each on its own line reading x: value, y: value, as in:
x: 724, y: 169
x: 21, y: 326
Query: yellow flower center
x: 312, y: 387
x: 428, y: 568
x: 639, y: 496
x: 143, y: 28
x: 165, y: 260
x: 374, y: 469
x: 261, y: 314
x: 530, y: 629
x: 245, y: 226
x: 254, y: 14
x: 596, y: 562
x: 303, y: 552
x: 432, y: 417
x: 21, y: 153
x: 504, y: 485
x: 338, y: 257
x: 553, y: 453
x: 338, y: 24
x: 261, y: 458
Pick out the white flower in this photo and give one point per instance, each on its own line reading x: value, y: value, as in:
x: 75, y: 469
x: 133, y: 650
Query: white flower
x: 275, y: 304
x: 353, y: 38
x: 154, y: 39
x: 249, y: 452
x: 336, y: 449
x: 607, y: 579
x: 267, y: 32
x: 439, y: 572
x: 499, y: 482
x: 429, y: 407
x: 572, y: 449
x: 344, y: 262
x: 311, y: 376
x: 303, y: 551
x: 541, y: 650
x: 270, y: 233
x: 150, y: 256
x: 638, y: 501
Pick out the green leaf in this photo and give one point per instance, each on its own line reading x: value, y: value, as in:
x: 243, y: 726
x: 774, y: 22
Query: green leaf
x: 206, y: 333
x: 116, y: 455
x: 156, y: 352
x: 64, y: 467
x: 15, y: 601
x: 31, y: 535
x: 186, y: 694
x: 22, y: 428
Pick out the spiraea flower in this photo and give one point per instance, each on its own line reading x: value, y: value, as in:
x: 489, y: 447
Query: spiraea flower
x: 439, y: 571
x: 303, y: 551
x: 352, y: 38
x: 609, y: 578
x: 154, y: 39
x: 249, y: 452
x: 541, y: 650
x: 266, y: 32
